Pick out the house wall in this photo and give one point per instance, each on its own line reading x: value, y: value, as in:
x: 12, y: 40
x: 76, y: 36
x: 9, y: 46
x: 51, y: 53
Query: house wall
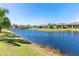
x: 76, y: 26
x: 72, y: 26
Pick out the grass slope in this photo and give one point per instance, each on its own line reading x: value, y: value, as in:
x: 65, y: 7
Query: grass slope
x: 24, y: 50
x: 17, y: 47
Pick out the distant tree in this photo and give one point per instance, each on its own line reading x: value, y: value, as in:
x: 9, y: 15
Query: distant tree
x: 15, y: 26
x: 61, y: 25
x: 54, y: 25
x: 28, y: 26
x: 21, y: 26
x: 50, y: 25
x: 4, y: 20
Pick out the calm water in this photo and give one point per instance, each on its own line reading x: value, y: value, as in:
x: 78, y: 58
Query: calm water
x: 67, y: 42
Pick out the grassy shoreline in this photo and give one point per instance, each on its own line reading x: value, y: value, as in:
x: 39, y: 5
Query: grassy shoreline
x: 51, y: 30
x: 18, y: 47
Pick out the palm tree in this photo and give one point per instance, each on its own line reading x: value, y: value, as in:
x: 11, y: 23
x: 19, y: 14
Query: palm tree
x: 4, y: 20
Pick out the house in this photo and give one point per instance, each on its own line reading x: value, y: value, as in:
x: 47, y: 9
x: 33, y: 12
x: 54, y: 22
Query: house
x: 73, y: 25
x: 69, y: 25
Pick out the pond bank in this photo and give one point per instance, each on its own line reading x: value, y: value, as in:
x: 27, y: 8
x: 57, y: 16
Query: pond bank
x: 51, y: 30
x: 38, y: 50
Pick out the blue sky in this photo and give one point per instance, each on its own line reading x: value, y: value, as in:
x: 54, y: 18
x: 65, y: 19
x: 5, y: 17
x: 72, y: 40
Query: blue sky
x: 42, y: 13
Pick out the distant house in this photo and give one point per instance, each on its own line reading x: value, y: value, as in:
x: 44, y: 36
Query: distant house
x: 73, y: 25
x: 60, y: 25
x: 69, y: 25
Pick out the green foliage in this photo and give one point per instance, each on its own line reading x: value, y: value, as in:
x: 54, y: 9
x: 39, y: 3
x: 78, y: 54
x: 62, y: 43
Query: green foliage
x: 6, y: 23
x: 50, y: 25
x: 4, y: 20
x: 3, y: 12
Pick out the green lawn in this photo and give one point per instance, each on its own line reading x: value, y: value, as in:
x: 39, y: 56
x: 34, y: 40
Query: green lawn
x: 23, y: 50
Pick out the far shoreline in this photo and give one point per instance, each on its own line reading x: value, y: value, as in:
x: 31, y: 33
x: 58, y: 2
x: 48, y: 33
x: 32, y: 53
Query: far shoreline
x: 57, y: 30
x: 52, y: 30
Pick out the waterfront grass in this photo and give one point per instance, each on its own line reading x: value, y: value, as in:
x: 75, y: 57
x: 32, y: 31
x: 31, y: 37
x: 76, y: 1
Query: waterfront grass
x: 10, y: 45
x: 60, y: 29
x: 23, y: 50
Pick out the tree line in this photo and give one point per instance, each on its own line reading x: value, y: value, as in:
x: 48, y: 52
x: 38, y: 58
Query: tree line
x: 52, y: 26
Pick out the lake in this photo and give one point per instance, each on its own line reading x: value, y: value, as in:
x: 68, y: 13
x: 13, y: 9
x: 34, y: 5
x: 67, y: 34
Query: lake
x: 67, y: 42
